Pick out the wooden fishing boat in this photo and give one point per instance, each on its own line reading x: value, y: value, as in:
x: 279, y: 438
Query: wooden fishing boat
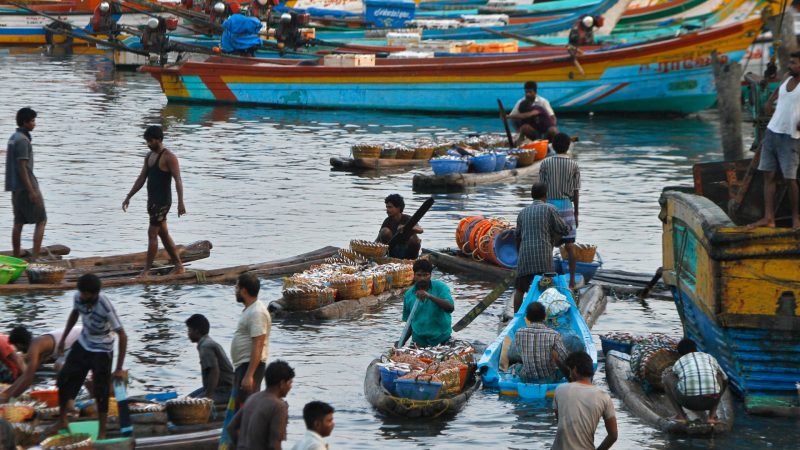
x: 570, y: 322
x: 736, y: 289
x: 198, y: 440
x: 392, y: 405
x: 654, y: 407
x: 50, y: 251
x: 128, y: 275
x: 340, y: 163
x: 673, y: 75
x: 455, y: 182
x: 337, y: 310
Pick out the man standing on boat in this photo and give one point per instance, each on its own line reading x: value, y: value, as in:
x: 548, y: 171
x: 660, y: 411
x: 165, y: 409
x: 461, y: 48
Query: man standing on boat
x: 431, y: 323
x: 160, y: 167
x: 563, y: 179
x: 26, y: 197
x: 539, y: 229
x: 37, y: 351
x: 579, y: 405
x: 781, y: 144
x: 533, y: 116
x: 695, y: 382
x: 394, y: 224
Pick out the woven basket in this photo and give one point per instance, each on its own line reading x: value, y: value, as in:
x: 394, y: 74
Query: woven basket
x: 45, y: 274
x: 67, y: 442
x: 368, y: 248
x: 28, y: 435
x: 366, y: 151
x: 189, y: 411
x: 525, y: 158
x: 351, y: 255
x: 91, y: 410
x: 405, y: 153
x: 402, y: 277
x: 352, y: 288
x: 379, y: 283
x: 423, y: 153
x: 655, y: 364
x: 16, y: 413
x: 583, y: 252
x: 306, y: 298
x: 388, y: 153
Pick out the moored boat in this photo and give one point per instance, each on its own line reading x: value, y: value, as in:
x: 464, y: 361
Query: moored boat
x: 673, y: 75
x: 653, y: 406
x: 736, y: 289
x: 455, y: 182
x: 569, y: 323
x: 337, y: 310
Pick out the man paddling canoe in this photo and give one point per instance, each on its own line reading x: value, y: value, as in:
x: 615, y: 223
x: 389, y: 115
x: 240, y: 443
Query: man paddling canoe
x: 394, y: 224
x: 430, y: 324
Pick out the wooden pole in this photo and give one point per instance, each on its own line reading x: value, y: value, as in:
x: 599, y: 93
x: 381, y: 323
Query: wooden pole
x: 728, y: 77
x: 783, y: 37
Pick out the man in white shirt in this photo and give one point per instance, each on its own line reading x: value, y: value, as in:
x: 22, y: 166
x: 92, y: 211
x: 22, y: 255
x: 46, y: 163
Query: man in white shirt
x: 319, y: 424
x: 781, y: 144
x: 250, y: 343
x: 533, y: 116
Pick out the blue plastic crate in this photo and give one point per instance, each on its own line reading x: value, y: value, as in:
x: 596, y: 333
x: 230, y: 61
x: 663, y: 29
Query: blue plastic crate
x: 388, y: 378
x: 388, y: 14
x: 418, y: 390
x: 608, y: 345
x: 448, y: 166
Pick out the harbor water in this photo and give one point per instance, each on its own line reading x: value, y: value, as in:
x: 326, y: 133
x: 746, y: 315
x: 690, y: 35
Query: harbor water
x: 258, y: 185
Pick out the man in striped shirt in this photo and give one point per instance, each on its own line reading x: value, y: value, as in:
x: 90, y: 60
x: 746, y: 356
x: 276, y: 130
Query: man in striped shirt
x: 563, y: 179
x: 539, y: 227
x: 695, y: 382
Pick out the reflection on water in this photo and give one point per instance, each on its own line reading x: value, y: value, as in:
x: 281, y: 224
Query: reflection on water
x: 258, y: 185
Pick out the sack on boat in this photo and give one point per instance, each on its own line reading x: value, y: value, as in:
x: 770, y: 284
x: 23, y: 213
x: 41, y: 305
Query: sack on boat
x: 554, y: 302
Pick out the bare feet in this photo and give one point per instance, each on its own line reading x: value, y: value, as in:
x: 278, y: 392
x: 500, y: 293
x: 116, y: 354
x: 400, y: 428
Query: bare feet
x: 764, y: 222
x: 145, y: 274
x: 179, y: 269
x: 796, y: 223
x: 680, y: 418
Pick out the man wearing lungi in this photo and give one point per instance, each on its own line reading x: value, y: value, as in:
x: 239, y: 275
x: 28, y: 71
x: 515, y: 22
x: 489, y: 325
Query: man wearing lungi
x: 563, y: 179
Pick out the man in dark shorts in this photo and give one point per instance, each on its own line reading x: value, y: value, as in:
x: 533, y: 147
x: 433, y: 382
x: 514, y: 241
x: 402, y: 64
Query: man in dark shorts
x: 93, y: 351
x: 539, y: 229
x: 394, y: 224
x: 160, y: 167
x: 26, y: 197
x: 262, y: 421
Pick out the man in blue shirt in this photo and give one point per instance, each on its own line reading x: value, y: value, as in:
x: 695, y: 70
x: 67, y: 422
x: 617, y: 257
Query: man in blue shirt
x: 431, y: 324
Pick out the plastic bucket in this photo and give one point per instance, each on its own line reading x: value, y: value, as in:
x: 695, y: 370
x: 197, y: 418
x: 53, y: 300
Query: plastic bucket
x: 388, y: 378
x: 478, y: 232
x: 19, y: 266
x: 447, y: 166
x: 461, y: 231
x: 503, y: 250
x: 586, y: 269
x: 500, y: 161
x: 466, y: 246
x: 540, y: 147
x: 511, y: 162
x: 418, y: 390
x: 484, y: 163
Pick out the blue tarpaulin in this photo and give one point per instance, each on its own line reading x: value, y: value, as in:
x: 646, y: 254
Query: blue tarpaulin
x: 240, y: 33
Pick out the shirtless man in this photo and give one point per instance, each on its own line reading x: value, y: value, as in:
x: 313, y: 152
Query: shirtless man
x: 160, y: 167
x: 37, y: 351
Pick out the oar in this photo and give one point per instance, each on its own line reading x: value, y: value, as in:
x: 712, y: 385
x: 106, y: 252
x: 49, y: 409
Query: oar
x: 644, y: 292
x: 408, y: 227
x: 485, y: 303
x: 505, y: 123
x: 407, y: 328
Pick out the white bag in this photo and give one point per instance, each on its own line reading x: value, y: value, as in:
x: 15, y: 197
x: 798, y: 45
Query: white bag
x: 554, y: 302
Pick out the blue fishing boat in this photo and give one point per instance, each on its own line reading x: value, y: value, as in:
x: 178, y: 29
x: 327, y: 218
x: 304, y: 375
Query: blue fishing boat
x: 736, y: 289
x: 570, y: 324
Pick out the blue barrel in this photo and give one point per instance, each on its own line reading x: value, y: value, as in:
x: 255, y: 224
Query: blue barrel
x: 505, y: 249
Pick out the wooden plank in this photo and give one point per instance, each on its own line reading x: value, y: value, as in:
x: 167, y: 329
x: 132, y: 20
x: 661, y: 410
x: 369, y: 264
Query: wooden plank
x: 195, y: 248
x: 55, y: 249
x: 222, y: 275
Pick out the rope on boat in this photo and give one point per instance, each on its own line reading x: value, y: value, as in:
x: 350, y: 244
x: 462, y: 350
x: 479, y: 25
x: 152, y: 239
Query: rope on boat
x: 419, y: 404
x: 200, y: 276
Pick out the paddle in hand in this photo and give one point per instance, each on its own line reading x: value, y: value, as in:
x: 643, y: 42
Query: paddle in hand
x: 480, y: 307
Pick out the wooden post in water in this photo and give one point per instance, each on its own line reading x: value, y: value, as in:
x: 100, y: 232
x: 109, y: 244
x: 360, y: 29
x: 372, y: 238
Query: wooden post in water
x: 783, y: 38
x: 727, y: 77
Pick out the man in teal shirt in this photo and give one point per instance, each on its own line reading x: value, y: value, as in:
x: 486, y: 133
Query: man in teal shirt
x: 430, y: 325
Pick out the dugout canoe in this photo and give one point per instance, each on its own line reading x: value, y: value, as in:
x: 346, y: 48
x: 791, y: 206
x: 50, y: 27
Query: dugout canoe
x: 390, y: 405
x: 195, y: 276
x: 56, y: 250
x: 338, y: 310
x: 456, y: 182
x: 340, y: 163
x: 654, y: 407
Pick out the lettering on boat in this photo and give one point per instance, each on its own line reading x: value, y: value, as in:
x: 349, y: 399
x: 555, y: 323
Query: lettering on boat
x: 388, y: 12
x: 680, y: 64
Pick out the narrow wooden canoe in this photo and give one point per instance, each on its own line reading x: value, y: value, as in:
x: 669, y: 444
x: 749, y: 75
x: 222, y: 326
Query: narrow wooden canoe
x: 654, y: 407
x: 338, y: 310
x: 339, y: 163
x: 48, y: 250
x: 455, y: 182
x: 390, y: 405
x: 224, y: 275
x: 200, y: 440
